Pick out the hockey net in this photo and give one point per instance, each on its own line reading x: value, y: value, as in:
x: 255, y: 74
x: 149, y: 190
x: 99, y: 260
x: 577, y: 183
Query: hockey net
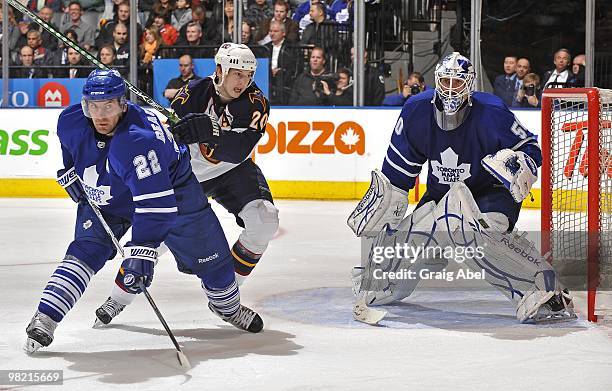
x: 577, y: 191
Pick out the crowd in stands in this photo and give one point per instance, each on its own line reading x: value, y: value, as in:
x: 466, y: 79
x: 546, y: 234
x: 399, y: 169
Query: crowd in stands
x: 518, y: 86
x: 308, y: 43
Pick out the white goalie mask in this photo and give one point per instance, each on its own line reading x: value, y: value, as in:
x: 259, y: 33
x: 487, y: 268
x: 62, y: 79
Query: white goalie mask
x: 236, y: 56
x: 455, y: 79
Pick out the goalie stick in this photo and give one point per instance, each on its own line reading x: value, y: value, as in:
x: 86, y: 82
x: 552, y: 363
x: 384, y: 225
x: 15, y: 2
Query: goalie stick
x: 172, y: 117
x: 182, y: 358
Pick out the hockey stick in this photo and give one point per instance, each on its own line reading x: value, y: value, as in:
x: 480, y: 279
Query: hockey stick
x: 172, y: 117
x: 182, y: 358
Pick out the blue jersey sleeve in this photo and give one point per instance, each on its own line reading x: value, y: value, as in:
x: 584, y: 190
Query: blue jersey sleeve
x: 142, y: 161
x: 404, y: 158
x: 513, y: 135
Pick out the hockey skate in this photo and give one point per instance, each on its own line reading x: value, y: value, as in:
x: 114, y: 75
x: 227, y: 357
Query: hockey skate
x: 107, y: 312
x: 40, y: 332
x: 559, y: 307
x: 244, y: 319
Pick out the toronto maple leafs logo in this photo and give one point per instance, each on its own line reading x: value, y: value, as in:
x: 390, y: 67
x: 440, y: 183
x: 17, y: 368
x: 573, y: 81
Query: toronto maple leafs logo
x: 99, y: 195
x: 447, y: 170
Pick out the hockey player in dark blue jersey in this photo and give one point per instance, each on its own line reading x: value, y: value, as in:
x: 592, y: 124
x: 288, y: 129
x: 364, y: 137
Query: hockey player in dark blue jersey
x: 121, y: 158
x: 223, y: 117
x: 481, y: 165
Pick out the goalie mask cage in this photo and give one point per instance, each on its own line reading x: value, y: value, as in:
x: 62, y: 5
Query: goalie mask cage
x: 577, y: 189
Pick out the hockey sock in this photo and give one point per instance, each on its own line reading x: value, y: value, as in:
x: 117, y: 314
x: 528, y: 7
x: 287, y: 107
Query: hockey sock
x: 225, y: 300
x: 120, y: 295
x: 64, y: 288
x: 244, y: 260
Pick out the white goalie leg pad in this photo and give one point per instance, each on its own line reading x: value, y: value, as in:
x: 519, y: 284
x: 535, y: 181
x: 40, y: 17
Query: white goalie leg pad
x: 385, y: 280
x: 260, y: 224
x: 510, y: 261
x: 382, y: 204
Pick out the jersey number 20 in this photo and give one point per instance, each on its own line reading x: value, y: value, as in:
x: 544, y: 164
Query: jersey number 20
x: 142, y: 165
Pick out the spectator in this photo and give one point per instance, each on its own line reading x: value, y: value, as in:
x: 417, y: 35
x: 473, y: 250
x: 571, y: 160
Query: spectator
x: 523, y: 67
x: 30, y: 71
x: 186, y: 75
x: 561, y: 75
x: 283, y: 64
x: 193, y: 42
x: 160, y: 7
x: 413, y: 85
x: 37, y: 5
x: 168, y: 33
x: 150, y: 45
x: 307, y: 88
x: 342, y: 94
x: 343, y: 14
x: 122, y: 15
x: 144, y: 10
x: 74, y: 67
x: 91, y: 10
x: 312, y: 34
x: 122, y: 48
x: 14, y: 32
x: 302, y: 14
x: 107, y: 56
x: 181, y: 14
x: 48, y: 40
x: 281, y: 10
x: 208, y: 26
x: 226, y: 29
x: 84, y: 31
x: 42, y: 56
x: 505, y: 84
x: 374, y: 82
x: 60, y: 56
x: 578, y: 64
x: 529, y: 94
x: 258, y: 12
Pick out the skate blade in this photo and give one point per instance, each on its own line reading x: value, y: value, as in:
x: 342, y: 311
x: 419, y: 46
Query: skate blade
x: 554, y: 318
x: 98, y: 324
x: 31, y: 346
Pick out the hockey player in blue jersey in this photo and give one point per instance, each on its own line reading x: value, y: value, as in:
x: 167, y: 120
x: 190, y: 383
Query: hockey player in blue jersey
x: 121, y: 158
x: 482, y: 163
x: 223, y: 118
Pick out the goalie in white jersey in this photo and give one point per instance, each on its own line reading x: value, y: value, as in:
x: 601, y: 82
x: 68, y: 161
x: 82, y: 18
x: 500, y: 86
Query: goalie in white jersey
x: 482, y: 164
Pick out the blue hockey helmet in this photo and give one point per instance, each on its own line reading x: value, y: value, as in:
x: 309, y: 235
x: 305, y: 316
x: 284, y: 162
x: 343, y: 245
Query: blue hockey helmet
x: 103, y: 84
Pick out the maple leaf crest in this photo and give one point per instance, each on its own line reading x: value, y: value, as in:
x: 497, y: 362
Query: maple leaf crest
x: 349, y: 138
x: 99, y: 195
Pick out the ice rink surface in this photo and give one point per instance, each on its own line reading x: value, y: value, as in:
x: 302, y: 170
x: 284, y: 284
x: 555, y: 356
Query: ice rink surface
x: 466, y: 339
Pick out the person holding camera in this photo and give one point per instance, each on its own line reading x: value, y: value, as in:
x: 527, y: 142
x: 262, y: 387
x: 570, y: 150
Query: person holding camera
x: 412, y: 86
x: 307, y: 88
x: 340, y: 92
x: 528, y: 96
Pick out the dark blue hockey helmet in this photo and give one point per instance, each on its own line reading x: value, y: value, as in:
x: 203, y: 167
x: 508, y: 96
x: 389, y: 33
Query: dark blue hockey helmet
x: 103, y: 84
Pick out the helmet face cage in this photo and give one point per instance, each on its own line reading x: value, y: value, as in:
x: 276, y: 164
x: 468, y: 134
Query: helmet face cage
x: 103, y: 85
x: 454, y: 77
x: 236, y: 56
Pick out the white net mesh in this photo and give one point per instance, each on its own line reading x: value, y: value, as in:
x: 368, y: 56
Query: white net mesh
x: 569, y: 150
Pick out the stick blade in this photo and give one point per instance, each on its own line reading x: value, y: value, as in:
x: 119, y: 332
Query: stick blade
x: 183, y: 361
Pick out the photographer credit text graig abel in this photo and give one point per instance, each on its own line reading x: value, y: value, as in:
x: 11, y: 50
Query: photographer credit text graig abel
x: 409, y: 254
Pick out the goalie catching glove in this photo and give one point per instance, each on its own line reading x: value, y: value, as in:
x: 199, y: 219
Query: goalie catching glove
x: 197, y: 128
x: 514, y: 169
x: 137, y: 267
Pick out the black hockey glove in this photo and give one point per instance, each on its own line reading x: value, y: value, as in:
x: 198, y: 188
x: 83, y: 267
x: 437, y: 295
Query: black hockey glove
x: 197, y: 128
x: 68, y: 179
